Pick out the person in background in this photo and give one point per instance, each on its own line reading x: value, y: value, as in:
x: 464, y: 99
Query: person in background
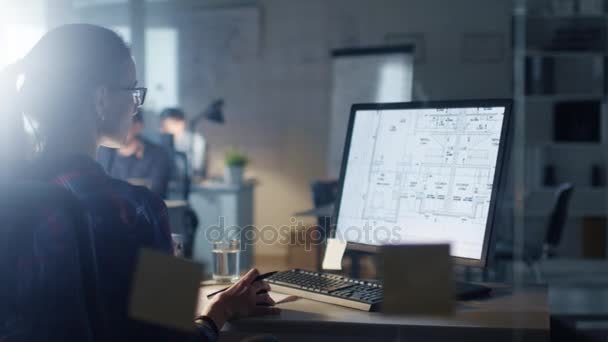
x: 173, y: 121
x: 138, y: 161
x: 79, y: 87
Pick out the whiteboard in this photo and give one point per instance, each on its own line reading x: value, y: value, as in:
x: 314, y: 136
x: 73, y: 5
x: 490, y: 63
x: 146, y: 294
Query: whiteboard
x: 378, y: 74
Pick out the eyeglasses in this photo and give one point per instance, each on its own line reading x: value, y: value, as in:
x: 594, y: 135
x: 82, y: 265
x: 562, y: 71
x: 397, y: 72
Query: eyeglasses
x: 139, y: 95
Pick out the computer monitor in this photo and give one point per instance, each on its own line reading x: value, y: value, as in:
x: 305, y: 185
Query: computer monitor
x: 423, y: 172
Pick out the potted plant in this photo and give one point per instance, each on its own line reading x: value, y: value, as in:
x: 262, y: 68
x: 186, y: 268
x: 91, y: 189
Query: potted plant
x: 235, y: 165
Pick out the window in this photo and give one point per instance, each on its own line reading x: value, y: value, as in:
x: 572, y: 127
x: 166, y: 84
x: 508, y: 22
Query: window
x: 22, y: 24
x: 90, y: 3
x: 395, y: 80
x: 18, y: 40
x: 161, y: 67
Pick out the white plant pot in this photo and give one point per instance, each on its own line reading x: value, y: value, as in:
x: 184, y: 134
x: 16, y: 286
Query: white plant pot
x: 233, y: 174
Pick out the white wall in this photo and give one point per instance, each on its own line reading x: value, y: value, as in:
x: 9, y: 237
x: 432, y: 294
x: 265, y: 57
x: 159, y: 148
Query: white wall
x: 277, y: 102
x: 21, y: 26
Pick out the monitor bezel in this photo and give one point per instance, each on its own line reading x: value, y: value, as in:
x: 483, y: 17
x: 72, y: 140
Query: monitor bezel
x: 497, y: 182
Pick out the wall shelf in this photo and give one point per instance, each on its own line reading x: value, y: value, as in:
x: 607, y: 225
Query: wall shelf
x: 559, y: 75
x: 576, y: 146
x: 573, y: 16
x: 566, y: 54
x: 565, y: 97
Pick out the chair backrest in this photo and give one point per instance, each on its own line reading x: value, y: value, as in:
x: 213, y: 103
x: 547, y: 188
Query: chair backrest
x: 47, y: 266
x: 559, y: 215
x: 180, y: 174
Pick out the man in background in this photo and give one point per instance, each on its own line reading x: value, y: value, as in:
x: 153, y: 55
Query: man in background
x: 173, y: 121
x: 138, y: 161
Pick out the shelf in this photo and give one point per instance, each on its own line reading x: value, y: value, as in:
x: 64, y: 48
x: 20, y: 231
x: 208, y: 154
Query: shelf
x: 565, y: 97
x: 573, y: 16
x: 567, y: 54
x: 580, y: 189
x: 574, y: 145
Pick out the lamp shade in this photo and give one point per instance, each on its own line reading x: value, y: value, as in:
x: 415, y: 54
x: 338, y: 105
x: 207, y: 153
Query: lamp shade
x: 214, y: 112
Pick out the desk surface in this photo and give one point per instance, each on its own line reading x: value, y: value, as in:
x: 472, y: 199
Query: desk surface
x: 504, y: 316
x: 176, y: 204
x: 579, y: 301
x: 223, y: 187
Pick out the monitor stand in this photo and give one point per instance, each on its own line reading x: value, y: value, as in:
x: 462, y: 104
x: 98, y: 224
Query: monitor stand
x: 468, y: 291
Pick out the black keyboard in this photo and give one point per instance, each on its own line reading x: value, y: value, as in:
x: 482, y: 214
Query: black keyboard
x: 352, y: 293
x: 328, y: 288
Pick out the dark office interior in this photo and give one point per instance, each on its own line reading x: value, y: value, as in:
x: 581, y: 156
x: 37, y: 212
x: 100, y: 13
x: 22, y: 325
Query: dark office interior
x: 297, y: 170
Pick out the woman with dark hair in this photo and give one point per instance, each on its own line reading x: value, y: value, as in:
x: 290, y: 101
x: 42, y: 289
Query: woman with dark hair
x: 78, y: 90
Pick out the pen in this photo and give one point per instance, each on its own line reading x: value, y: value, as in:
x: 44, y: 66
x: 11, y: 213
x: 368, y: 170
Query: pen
x: 258, y: 278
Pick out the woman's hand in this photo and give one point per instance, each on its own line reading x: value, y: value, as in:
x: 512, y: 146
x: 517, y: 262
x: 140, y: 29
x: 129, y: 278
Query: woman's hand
x: 244, y: 298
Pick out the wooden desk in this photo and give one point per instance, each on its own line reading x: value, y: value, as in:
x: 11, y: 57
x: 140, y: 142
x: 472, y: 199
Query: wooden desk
x: 581, y: 308
x: 509, y: 317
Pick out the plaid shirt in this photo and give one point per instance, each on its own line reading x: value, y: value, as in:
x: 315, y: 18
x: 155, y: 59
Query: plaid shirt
x: 124, y: 219
x: 38, y: 242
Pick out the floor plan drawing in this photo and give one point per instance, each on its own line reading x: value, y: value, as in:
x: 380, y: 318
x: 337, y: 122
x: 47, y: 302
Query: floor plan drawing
x: 417, y: 166
x: 446, y: 171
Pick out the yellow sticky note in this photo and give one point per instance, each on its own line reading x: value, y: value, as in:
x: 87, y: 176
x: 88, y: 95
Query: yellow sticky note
x: 333, y: 254
x: 165, y: 290
x: 417, y: 279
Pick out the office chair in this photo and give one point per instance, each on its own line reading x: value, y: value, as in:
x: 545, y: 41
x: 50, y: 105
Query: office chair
x: 558, y: 220
x: 190, y: 221
x: 181, y: 175
x: 180, y: 179
x: 47, y: 266
x: 503, y: 251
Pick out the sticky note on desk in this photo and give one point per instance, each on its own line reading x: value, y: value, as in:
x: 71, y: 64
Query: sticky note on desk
x: 417, y: 279
x: 165, y: 290
x: 334, y: 251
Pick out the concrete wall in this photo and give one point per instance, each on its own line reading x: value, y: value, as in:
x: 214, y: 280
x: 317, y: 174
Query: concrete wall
x: 277, y: 103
